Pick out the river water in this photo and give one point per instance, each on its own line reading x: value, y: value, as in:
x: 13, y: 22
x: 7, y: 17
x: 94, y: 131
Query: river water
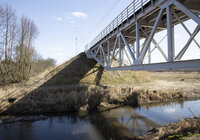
x: 119, y: 123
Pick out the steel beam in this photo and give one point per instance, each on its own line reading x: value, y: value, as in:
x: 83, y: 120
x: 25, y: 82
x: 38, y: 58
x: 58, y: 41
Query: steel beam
x: 127, y: 56
x: 151, y: 26
x: 175, y: 65
x: 149, y: 53
x: 140, y: 15
x: 137, y: 39
x: 104, y: 56
x: 157, y: 45
x: 143, y: 45
x: 94, y: 57
x: 133, y: 46
x: 150, y: 36
x: 112, y: 45
x: 128, y: 48
x: 114, y: 48
x: 170, y: 33
x: 120, y: 52
x: 185, y: 27
x: 97, y: 51
x: 187, y: 11
x: 108, y: 52
x: 100, y: 53
x: 182, y: 52
x: 159, y: 48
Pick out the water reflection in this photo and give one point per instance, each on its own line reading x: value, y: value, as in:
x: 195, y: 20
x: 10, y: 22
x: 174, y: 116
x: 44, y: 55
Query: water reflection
x: 55, y: 127
x: 172, y: 112
x: 124, y: 122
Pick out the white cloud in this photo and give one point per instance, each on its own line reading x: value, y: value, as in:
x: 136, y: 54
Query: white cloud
x: 71, y: 17
x: 79, y: 15
x: 56, y: 18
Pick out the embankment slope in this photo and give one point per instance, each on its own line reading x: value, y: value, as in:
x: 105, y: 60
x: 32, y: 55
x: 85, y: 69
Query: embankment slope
x: 80, y: 84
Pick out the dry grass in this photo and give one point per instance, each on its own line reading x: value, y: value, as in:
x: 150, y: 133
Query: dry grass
x: 82, y: 98
x: 117, y: 77
x: 120, y: 87
x: 177, y: 76
x: 175, y: 130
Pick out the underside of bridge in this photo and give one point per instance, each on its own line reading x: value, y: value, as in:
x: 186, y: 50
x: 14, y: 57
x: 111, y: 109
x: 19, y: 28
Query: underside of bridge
x: 128, y: 42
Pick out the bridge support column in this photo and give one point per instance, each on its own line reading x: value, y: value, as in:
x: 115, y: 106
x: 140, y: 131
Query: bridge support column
x: 122, y: 55
x: 149, y: 52
x: 137, y: 39
x: 170, y: 33
x: 100, y: 53
x: 128, y: 47
x: 120, y: 52
x: 105, y: 61
x: 133, y: 46
x: 108, y: 52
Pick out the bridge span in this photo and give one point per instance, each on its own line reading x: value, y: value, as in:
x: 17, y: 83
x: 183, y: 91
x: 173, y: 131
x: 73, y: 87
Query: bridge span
x: 126, y: 43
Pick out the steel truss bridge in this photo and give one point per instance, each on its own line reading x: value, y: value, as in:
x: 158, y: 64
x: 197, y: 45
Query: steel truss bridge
x: 119, y: 47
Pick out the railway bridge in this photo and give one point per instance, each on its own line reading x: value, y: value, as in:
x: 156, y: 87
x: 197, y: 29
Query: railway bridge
x: 128, y: 42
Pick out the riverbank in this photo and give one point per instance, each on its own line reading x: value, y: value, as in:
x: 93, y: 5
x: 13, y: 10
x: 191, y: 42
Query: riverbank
x: 81, y: 85
x: 85, y: 98
x: 188, y: 129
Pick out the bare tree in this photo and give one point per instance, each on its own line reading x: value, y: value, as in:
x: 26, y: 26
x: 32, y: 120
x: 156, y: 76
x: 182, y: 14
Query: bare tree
x: 7, y: 37
x: 28, y: 33
x: 9, y: 30
x: 1, y: 32
x: 17, y: 54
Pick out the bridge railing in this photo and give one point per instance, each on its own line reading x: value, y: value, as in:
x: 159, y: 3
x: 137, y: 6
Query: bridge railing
x: 131, y: 10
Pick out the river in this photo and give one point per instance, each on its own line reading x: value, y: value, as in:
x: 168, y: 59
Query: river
x: 118, y: 123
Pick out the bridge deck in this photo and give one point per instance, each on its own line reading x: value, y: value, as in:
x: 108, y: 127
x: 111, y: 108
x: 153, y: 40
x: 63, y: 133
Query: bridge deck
x: 146, y: 12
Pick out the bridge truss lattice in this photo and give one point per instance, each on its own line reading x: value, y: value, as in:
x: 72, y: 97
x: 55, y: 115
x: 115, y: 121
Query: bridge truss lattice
x: 119, y: 47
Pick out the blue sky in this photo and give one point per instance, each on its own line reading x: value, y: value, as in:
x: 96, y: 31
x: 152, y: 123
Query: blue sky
x: 61, y: 21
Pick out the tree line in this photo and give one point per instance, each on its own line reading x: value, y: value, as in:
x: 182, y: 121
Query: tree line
x: 18, y: 58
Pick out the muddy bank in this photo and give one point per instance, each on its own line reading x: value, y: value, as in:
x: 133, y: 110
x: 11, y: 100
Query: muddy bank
x: 186, y: 128
x: 84, y: 98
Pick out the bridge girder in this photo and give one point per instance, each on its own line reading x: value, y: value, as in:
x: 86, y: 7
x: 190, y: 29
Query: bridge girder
x: 125, y: 39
